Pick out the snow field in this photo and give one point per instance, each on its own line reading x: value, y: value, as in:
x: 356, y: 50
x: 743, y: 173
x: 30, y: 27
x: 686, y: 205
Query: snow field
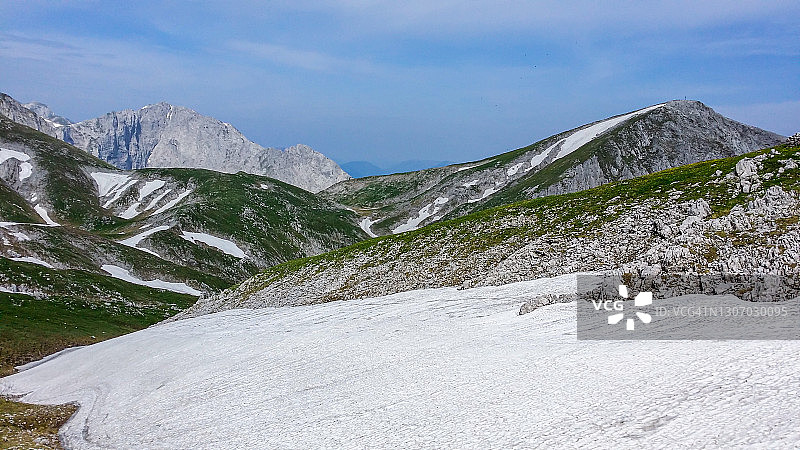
x: 432, y: 368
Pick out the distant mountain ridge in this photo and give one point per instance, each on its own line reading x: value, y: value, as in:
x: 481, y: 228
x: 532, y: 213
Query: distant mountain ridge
x: 164, y: 135
x: 360, y: 169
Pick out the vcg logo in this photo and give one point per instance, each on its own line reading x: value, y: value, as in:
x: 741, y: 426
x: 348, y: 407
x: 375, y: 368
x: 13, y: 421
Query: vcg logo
x: 641, y: 299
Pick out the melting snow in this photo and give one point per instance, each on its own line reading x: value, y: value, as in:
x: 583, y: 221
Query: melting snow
x: 150, y: 187
x: 438, y: 368
x: 131, y: 212
x: 427, y: 211
x: 486, y: 193
x: 25, y: 168
x: 134, y: 241
x: 108, y: 182
x: 43, y: 214
x: 122, y: 274
x: 31, y: 259
x: 18, y: 235
x: 173, y: 202
x: 581, y: 137
x: 471, y: 183
x: 155, y: 201
x: 514, y: 169
x: 366, y: 225
x: 224, y: 245
x: 117, y: 192
x: 536, y: 160
x: 9, y: 291
x: 468, y: 167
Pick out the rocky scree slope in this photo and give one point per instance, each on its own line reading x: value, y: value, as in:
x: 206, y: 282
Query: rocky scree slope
x: 621, y: 147
x: 732, y: 215
x: 163, y: 135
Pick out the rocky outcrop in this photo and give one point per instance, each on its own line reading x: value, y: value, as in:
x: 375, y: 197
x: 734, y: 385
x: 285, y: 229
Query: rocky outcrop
x: 24, y: 116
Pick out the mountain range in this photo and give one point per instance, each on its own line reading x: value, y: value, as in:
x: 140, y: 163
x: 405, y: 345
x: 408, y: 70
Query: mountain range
x: 361, y: 169
x: 621, y: 147
x: 164, y: 135
x: 114, y: 243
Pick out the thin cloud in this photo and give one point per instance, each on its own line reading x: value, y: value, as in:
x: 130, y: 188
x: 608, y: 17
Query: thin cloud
x: 302, y: 59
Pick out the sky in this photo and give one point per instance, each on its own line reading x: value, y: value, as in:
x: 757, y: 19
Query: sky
x: 387, y: 81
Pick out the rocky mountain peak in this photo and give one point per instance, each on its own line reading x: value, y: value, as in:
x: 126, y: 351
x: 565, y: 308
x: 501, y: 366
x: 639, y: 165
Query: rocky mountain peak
x: 165, y: 135
x: 44, y: 111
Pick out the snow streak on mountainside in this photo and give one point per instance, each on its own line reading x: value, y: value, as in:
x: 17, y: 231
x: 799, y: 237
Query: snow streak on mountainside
x: 622, y: 147
x: 441, y: 368
x: 163, y: 135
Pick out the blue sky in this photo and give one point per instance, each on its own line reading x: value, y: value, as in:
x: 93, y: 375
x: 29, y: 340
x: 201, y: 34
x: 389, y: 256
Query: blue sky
x: 387, y: 81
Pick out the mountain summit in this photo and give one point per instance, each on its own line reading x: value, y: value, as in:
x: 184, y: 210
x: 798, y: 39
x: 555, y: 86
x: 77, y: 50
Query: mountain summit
x: 164, y: 135
x: 618, y: 148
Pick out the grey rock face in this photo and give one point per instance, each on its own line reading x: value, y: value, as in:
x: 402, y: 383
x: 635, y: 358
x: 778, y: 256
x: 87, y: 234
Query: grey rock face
x: 44, y: 111
x: 679, y: 133
x: 22, y: 115
x: 163, y: 135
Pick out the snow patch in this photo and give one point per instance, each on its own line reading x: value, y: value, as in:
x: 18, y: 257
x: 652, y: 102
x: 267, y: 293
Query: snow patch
x: 468, y: 167
x: 486, y: 193
x: 155, y: 201
x: 582, y: 137
x: 223, y: 245
x: 514, y: 169
x: 25, y: 168
x: 122, y: 274
x: 427, y: 211
x: 173, y: 202
x: 6, y: 154
x: 46, y: 217
x: 150, y: 187
x: 439, y: 368
x: 9, y: 291
x: 117, y: 192
x: 20, y: 236
x: 536, y: 160
x: 471, y: 183
x: 366, y: 225
x: 32, y: 260
x: 108, y: 182
x: 134, y: 241
x: 131, y: 212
